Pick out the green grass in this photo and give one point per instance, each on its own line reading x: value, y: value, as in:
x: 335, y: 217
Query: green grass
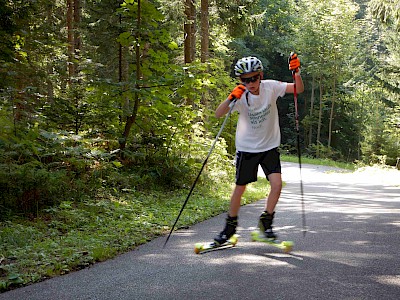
x: 74, y: 235
x: 319, y: 161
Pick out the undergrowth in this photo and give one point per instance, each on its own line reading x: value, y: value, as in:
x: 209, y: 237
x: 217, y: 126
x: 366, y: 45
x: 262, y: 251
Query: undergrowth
x: 74, y: 235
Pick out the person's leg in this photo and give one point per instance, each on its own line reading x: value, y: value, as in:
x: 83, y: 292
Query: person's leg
x: 246, y: 172
x: 236, y: 198
x: 272, y: 167
x: 275, y: 180
x: 267, y: 217
x: 232, y: 218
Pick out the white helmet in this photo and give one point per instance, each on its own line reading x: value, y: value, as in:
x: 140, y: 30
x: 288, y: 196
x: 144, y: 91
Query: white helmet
x: 248, y: 65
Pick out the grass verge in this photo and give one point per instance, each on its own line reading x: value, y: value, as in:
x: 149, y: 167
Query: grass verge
x: 73, y: 236
x: 319, y: 161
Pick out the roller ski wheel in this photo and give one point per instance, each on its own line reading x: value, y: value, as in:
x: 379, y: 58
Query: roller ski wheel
x: 285, y: 246
x: 207, y: 247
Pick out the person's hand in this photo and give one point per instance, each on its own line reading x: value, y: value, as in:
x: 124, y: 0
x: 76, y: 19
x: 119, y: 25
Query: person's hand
x: 294, y: 62
x: 237, y: 92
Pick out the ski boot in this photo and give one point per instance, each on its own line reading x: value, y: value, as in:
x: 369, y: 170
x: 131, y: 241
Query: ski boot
x: 265, y: 225
x: 228, y: 232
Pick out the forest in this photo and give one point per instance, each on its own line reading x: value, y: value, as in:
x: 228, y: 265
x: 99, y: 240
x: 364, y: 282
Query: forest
x: 120, y: 95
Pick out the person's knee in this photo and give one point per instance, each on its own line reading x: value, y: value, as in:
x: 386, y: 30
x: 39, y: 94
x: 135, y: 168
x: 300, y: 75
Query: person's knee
x: 240, y: 189
x: 276, y: 186
x: 275, y: 183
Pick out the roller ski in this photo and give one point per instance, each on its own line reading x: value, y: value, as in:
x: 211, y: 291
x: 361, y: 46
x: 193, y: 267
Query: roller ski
x: 225, y: 239
x: 258, y: 236
x: 212, y: 246
x: 266, y: 235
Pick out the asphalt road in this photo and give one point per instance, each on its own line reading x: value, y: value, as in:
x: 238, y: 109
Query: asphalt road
x: 350, y: 251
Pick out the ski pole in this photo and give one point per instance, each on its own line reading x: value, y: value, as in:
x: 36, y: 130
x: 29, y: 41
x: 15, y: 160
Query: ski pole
x: 298, y: 152
x: 231, y: 105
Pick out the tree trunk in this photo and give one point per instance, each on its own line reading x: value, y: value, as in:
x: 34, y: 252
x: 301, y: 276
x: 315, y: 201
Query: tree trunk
x: 190, y: 33
x: 204, y: 31
x: 70, y: 39
x: 74, y: 12
x: 77, y: 91
x: 311, y: 110
x: 332, y: 113
x: 131, y: 119
x: 321, y: 106
x: 123, y: 75
x: 77, y: 37
x: 205, y: 36
x: 73, y: 50
x: 49, y: 67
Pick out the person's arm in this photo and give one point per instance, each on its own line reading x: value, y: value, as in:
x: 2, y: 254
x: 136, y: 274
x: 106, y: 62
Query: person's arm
x: 223, y: 108
x: 294, y: 66
x: 299, y: 84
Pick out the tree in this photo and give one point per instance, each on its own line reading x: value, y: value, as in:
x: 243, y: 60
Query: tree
x: 70, y: 42
x: 387, y: 75
x: 388, y: 12
x: 328, y: 43
x: 190, y: 31
x: 204, y: 31
x: 131, y: 118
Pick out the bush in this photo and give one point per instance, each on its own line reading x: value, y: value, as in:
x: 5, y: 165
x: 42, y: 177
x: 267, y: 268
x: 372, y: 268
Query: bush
x: 33, y: 176
x: 322, y: 151
x: 28, y: 188
x: 61, y: 167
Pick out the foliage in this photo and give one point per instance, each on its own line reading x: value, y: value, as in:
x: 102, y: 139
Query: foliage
x: 329, y: 44
x: 387, y: 11
x: 43, y: 169
x: 384, y: 146
x: 58, y: 167
x: 72, y: 236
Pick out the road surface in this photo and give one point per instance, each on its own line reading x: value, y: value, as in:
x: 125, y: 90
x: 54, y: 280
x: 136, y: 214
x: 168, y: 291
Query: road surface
x: 350, y: 251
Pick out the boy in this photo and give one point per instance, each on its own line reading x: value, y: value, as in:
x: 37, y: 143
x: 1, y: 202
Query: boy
x: 257, y: 137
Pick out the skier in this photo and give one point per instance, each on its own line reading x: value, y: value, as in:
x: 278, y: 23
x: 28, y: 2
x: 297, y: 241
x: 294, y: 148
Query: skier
x: 257, y: 137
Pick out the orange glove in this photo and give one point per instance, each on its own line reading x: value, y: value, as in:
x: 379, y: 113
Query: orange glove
x: 237, y: 92
x: 294, y: 62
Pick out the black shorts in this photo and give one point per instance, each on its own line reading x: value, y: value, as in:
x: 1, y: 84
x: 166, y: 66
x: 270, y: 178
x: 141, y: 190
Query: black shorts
x: 247, y: 165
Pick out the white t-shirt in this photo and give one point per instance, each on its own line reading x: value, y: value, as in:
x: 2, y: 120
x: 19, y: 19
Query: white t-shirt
x: 258, y: 125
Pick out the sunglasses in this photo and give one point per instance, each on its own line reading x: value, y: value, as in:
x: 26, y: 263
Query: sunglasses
x: 250, y: 79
